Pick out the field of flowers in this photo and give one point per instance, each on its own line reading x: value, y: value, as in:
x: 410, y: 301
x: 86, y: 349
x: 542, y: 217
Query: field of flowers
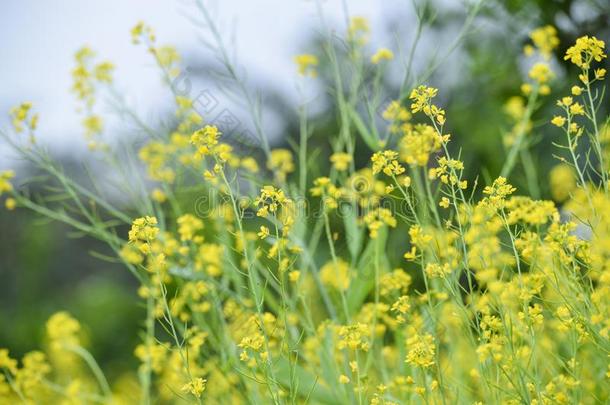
x: 381, y: 276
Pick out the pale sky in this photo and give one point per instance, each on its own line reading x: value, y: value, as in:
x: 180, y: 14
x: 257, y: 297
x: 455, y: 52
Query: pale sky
x: 38, y: 40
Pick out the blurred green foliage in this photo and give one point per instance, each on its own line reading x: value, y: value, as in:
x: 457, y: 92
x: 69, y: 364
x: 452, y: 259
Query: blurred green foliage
x: 44, y: 270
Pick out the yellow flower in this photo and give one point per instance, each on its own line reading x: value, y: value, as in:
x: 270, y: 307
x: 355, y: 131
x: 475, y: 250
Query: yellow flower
x: 545, y: 39
x: 142, y: 30
x: 93, y: 125
x: 402, y: 306
x: 387, y: 162
x: 152, y: 355
x: 562, y: 180
x: 396, y: 112
x: 378, y: 217
x: 269, y: 200
x: 10, y: 204
x: 281, y: 163
x: 541, y: 72
x: 343, y: 379
x: 294, y: 276
x: 143, y: 229
x: 354, y: 337
x: 435, y: 270
x: 576, y: 90
x: 5, y: 184
x: 558, y: 121
x: 158, y: 195
x: 205, y: 139
x: 515, y: 107
x: 330, y: 192
x: 382, y: 54
x: 30, y: 376
x: 307, y: 64
x: 396, y: 281
x: 341, y: 161
x: 444, y: 202
x: 168, y: 58
x: 103, y: 72
x: 336, y: 275
x: 421, y: 97
x: 358, y: 30
x: 418, y: 143
x: 419, y: 240
x: 250, y: 164
x: 188, y: 226
x: 447, y: 172
x: 195, y: 387
x: 600, y: 73
x: 584, y: 51
x: 526, y: 88
x: 421, y: 101
x: 577, y: 109
x: 565, y: 102
x: 6, y: 362
x: 497, y: 193
x: 62, y: 329
x: 421, y: 350
x: 21, y: 118
x: 263, y: 233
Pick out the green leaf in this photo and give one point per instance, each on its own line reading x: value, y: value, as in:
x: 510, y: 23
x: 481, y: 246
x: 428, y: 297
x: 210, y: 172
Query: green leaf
x: 353, y: 233
x: 364, y: 282
x: 308, y: 386
x: 366, y: 135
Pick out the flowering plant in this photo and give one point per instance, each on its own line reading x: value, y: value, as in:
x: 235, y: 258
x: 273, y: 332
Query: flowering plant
x: 260, y: 297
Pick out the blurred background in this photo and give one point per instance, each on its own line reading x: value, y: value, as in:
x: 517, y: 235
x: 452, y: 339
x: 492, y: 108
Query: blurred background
x: 45, y: 266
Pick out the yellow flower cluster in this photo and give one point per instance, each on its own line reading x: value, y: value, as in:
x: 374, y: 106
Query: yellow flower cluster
x: 269, y: 201
x: 323, y: 187
x: 281, y: 163
x: 387, y: 162
x: 448, y: 172
x: 307, y: 64
x: 562, y: 180
x: 188, y: 226
x: 166, y: 56
x: 545, y: 40
x: 86, y: 76
x: 5, y: 184
x: 341, y: 161
x: 354, y: 337
x: 541, y: 73
x: 421, y: 350
x: 336, y: 274
x: 21, y: 118
x: 62, y: 330
x: 398, y: 115
x: 497, y: 193
x: 377, y: 218
x: 501, y: 298
x: 421, y: 98
x: 382, y: 54
x: 358, y: 30
x: 586, y: 50
x: 206, y: 139
x: 419, y: 143
x: 143, y: 230
x: 419, y: 239
x: 195, y: 387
